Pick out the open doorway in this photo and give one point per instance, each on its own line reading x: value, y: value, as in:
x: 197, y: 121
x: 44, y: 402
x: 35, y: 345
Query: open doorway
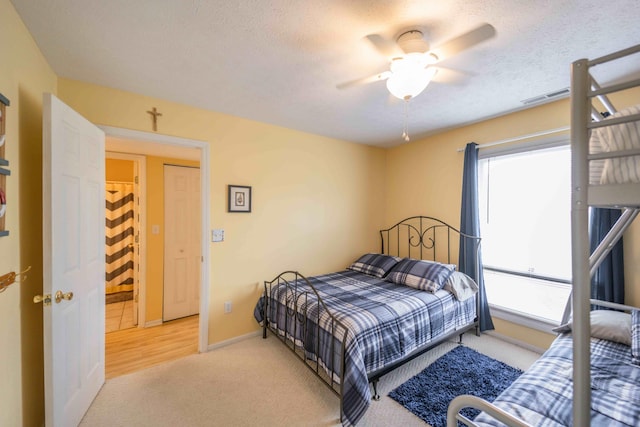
x: 124, y: 215
x: 150, y: 152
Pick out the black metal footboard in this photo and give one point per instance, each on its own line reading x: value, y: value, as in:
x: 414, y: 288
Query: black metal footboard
x: 295, y: 313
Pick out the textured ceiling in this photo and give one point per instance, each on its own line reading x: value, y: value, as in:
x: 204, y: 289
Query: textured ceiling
x: 279, y: 61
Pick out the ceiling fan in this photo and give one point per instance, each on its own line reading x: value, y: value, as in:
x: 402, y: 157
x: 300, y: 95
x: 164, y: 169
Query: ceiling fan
x: 413, y: 62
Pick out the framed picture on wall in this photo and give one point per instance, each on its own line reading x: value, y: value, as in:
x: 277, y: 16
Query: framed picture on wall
x: 4, y: 163
x: 239, y: 198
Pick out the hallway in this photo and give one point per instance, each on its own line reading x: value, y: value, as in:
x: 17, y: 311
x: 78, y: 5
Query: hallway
x: 133, y: 349
x: 119, y: 315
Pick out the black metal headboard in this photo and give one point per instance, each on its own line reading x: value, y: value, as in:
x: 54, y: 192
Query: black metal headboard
x: 424, y: 237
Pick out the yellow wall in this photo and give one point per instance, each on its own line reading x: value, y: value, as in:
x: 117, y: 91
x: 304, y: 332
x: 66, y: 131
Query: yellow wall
x: 315, y: 201
x: 119, y: 170
x: 538, y: 339
x: 430, y: 171
x: 155, y: 242
x: 24, y: 76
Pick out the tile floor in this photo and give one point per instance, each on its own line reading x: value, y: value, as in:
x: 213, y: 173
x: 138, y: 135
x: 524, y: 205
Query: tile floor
x: 119, y: 315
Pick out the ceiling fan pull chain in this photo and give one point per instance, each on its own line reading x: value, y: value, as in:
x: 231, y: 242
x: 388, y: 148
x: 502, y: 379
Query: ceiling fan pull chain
x: 405, y: 129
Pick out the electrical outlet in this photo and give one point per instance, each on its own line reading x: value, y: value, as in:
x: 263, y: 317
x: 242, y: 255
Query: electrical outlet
x: 227, y: 307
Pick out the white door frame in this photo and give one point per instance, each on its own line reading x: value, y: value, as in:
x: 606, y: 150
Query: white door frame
x: 142, y: 243
x: 203, y: 341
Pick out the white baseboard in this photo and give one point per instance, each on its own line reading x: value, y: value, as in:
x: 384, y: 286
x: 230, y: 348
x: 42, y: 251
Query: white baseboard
x: 151, y: 323
x: 514, y: 341
x: 233, y: 340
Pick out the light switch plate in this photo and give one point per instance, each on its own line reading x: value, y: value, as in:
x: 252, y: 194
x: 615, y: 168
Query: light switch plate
x: 217, y: 235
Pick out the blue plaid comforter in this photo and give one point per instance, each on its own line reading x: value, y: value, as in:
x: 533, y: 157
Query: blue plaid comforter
x: 542, y: 396
x: 383, y: 323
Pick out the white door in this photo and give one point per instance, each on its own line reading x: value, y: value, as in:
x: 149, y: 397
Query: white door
x: 182, y: 256
x: 74, y: 262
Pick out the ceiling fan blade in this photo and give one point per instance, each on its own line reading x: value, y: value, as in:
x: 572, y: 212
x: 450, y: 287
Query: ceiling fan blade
x: 388, y: 48
x: 464, y: 41
x: 380, y: 76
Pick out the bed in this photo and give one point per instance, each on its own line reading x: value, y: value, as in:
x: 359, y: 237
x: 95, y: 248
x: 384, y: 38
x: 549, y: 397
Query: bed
x: 591, y: 373
x: 543, y: 396
x: 351, y: 327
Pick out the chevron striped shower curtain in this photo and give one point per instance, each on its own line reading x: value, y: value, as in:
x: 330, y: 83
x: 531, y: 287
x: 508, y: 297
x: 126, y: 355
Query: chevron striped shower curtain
x: 120, y: 235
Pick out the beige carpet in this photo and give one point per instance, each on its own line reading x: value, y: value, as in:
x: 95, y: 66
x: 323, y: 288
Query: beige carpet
x: 258, y: 382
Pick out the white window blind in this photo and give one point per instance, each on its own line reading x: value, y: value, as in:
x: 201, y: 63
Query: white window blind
x: 525, y: 221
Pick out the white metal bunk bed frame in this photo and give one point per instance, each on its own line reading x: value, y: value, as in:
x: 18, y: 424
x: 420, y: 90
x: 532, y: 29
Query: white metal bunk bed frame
x: 584, y: 118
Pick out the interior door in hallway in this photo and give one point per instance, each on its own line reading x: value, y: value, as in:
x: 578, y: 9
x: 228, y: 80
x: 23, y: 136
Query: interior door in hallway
x: 182, y: 257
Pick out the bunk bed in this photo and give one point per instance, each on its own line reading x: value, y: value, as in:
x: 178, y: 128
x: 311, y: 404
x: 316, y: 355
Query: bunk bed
x: 591, y: 373
x: 352, y: 327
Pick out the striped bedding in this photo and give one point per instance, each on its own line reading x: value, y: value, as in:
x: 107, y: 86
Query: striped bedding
x: 542, y: 396
x: 622, y: 136
x: 384, y: 323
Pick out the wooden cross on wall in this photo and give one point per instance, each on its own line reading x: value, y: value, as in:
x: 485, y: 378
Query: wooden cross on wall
x: 155, y: 115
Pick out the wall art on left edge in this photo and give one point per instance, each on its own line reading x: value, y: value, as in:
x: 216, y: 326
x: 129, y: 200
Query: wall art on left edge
x: 4, y: 164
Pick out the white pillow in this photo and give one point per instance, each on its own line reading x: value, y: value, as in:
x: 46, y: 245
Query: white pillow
x: 461, y: 286
x: 607, y: 325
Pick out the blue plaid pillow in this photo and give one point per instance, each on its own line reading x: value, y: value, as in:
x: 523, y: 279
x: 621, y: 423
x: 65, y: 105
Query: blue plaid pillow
x: 377, y: 265
x: 423, y: 275
x: 635, y: 337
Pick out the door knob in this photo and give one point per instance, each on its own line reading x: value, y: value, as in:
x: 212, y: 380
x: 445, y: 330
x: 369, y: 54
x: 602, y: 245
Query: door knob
x: 60, y: 296
x: 45, y: 299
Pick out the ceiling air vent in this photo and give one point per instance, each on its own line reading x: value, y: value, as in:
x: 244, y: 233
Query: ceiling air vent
x: 547, y: 96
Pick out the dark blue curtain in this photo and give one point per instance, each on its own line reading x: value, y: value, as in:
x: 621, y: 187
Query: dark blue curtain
x: 470, y: 224
x: 607, y: 284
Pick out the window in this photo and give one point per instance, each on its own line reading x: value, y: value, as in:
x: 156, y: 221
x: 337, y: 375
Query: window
x: 525, y: 221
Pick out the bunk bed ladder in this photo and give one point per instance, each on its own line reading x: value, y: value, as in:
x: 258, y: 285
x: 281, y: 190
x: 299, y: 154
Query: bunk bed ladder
x: 628, y: 215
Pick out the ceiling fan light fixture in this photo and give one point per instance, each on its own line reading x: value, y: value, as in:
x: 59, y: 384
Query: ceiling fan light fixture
x: 410, y: 75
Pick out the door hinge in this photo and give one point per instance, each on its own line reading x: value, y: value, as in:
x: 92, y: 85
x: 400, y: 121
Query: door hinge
x: 135, y: 180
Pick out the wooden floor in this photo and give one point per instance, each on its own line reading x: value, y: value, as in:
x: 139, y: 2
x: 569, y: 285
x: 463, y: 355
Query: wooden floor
x: 133, y: 349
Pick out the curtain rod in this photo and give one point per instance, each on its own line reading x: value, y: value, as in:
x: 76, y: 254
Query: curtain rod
x: 518, y: 138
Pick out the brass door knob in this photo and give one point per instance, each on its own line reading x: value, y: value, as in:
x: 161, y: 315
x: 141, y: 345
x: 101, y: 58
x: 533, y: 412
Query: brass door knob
x: 45, y: 299
x: 60, y: 296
